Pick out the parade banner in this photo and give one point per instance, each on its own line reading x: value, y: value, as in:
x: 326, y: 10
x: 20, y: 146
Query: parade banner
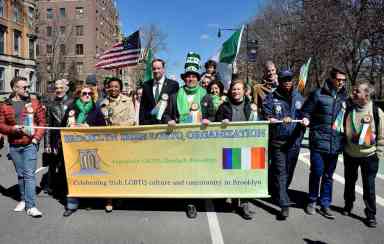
x: 188, y: 161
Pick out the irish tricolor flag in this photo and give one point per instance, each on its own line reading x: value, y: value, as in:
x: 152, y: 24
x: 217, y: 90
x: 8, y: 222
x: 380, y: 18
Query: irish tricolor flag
x: 245, y: 158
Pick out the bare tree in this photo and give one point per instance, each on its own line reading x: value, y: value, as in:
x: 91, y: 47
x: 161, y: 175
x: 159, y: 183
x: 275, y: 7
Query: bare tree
x: 56, y: 43
x: 153, y: 37
x: 350, y: 33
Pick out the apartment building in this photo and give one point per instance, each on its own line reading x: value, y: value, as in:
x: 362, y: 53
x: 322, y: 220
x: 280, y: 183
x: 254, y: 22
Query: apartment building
x: 71, y: 34
x: 17, y: 42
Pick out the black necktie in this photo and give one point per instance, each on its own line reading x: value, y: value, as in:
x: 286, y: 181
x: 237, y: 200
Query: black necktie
x: 157, y: 91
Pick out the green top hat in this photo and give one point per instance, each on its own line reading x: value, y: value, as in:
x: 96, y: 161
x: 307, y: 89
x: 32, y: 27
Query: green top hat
x: 192, y: 65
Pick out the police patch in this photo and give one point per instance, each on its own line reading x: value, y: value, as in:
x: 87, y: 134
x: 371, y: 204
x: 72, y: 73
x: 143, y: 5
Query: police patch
x: 298, y: 105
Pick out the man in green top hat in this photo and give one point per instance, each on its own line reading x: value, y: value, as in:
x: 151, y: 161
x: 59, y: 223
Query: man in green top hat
x: 186, y: 106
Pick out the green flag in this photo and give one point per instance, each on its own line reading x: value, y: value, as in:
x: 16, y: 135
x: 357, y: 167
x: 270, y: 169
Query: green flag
x: 148, y: 75
x: 231, y: 47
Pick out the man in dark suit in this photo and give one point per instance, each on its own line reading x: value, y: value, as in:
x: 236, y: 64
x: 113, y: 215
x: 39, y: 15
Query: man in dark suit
x: 153, y: 91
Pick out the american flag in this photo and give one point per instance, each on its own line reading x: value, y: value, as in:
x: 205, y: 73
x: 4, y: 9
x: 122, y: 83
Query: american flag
x: 125, y: 53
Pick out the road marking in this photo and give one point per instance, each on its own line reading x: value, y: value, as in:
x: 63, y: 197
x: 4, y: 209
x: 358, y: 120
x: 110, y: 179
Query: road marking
x: 213, y: 222
x: 380, y: 176
x: 340, y: 179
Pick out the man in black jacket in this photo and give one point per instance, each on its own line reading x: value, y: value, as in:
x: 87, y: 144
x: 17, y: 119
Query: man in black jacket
x: 53, y: 152
x: 153, y: 90
x: 323, y: 113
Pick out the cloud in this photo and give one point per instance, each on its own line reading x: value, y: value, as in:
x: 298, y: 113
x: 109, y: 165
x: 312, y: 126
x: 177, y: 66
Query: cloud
x: 205, y: 37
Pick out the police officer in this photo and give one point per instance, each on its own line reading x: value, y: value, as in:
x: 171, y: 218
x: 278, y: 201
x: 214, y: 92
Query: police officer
x: 285, y: 138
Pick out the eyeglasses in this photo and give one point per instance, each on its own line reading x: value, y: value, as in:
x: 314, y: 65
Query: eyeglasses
x: 24, y: 87
x: 87, y: 93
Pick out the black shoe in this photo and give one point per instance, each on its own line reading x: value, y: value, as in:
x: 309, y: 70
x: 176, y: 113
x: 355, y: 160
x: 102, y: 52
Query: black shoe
x: 284, y: 212
x: 347, y: 209
x: 191, y: 211
x: 245, y: 211
x: 326, y: 212
x: 371, y: 222
x: 68, y: 212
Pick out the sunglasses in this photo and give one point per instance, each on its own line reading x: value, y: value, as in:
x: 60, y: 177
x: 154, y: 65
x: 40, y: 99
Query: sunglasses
x: 87, y: 93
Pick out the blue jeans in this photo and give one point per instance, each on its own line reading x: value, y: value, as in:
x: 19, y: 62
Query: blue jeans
x: 25, y: 159
x: 323, y: 166
x: 73, y: 203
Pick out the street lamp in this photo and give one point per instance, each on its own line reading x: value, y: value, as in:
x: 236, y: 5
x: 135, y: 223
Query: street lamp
x: 252, y: 46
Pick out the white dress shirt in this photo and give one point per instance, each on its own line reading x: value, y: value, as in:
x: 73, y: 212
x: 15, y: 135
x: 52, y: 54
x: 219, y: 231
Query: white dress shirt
x: 161, y: 83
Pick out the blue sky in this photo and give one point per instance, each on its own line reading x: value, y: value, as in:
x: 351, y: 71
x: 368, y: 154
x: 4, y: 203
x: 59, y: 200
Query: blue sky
x: 189, y: 25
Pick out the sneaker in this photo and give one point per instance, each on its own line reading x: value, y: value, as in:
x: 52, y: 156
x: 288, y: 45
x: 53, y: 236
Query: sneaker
x: 326, y: 212
x: 371, y: 222
x: 245, y: 211
x: 68, y: 212
x: 191, y: 211
x: 20, y: 207
x: 108, y: 208
x: 284, y: 212
x: 311, y: 208
x: 34, y: 212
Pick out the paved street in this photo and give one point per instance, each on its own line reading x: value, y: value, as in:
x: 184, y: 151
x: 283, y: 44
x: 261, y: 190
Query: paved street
x: 163, y: 221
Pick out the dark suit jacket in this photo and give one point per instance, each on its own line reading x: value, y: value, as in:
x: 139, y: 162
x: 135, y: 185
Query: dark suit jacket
x: 148, y: 102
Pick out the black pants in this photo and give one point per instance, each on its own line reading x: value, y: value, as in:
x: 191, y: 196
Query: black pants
x: 369, y: 167
x: 283, y: 164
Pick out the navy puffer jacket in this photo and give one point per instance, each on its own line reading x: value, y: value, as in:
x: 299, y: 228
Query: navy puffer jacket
x: 322, y: 108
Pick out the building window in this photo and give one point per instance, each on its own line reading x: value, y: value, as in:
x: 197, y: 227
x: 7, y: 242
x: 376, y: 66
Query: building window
x: 79, y: 49
x: 31, y: 76
x: 62, y: 30
x: 2, y: 40
x: 17, y: 72
x: 1, y: 8
x: 2, y: 79
x: 62, y: 12
x: 79, y: 12
x: 31, y: 14
x: 16, y: 42
x: 79, y: 30
x: 32, y: 48
x: 49, y: 49
x: 16, y: 12
x: 49, y: 31
x: 49, y: 13
x: 79, y: 67
x: 62, y: 49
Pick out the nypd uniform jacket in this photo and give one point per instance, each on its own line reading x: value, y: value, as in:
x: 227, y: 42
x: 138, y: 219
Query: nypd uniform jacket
x: 278, y: 105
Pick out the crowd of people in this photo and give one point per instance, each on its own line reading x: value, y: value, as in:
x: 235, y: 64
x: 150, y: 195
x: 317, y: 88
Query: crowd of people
x: 338, y: 123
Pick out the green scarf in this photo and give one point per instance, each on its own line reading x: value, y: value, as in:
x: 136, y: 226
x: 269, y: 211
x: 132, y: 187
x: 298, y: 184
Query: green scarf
x: 216, y: 102
x: 84, y: 109
x: 183, y: 106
